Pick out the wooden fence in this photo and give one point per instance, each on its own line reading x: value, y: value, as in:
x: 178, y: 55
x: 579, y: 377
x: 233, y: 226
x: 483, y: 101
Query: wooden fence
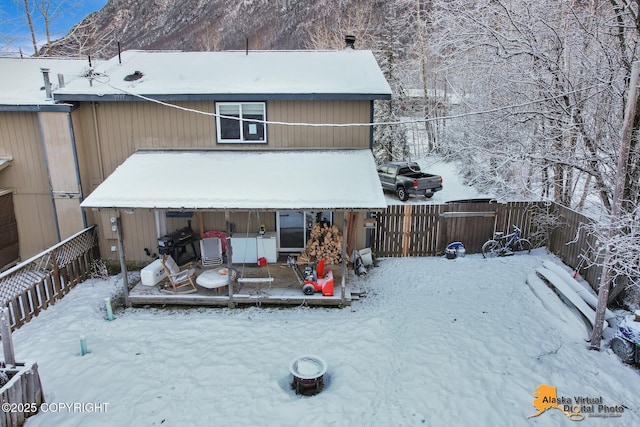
x: 33, y: 285
x: 22, y: 394
x: 569, y: 242
x: 426, y: 230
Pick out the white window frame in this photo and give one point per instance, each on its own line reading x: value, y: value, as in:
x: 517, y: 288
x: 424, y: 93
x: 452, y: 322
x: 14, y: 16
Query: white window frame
x: 242, y: 139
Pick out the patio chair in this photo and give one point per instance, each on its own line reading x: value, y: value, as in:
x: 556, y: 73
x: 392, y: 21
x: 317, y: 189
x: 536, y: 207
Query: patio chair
x: 181, y: 281
x: 210, y: 251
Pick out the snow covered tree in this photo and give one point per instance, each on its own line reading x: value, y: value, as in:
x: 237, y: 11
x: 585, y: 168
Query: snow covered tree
x: 542, y: 94
x: 390, y: 140
x: 357, y: 18
x: 85, y: 38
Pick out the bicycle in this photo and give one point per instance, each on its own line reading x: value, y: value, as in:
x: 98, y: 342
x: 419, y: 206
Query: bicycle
x: 506, y: 244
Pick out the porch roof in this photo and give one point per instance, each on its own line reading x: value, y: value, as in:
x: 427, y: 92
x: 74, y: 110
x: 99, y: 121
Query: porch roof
x: 4, y: 162
x: 242, y: 180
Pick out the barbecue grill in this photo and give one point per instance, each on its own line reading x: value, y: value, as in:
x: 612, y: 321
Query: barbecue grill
x: 176, y: 243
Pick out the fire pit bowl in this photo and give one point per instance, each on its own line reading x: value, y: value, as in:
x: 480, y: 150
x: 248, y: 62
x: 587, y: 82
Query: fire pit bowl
x: 308, y: 372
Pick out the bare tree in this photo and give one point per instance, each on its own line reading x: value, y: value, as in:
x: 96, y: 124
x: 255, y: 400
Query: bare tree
x: 342, y: 18
x: 27, y: 8
x: 85, y: 39
x: 49, y: 11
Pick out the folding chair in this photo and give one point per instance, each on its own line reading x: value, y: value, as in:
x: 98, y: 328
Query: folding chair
x: 211, y: 251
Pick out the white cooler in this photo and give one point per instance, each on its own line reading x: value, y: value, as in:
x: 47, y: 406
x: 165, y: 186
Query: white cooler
x: 152, y: 274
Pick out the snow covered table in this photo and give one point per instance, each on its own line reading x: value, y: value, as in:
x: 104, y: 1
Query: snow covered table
x: 212, y: 279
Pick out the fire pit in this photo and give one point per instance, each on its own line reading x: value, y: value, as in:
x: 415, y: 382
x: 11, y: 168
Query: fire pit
x: 308, y: 374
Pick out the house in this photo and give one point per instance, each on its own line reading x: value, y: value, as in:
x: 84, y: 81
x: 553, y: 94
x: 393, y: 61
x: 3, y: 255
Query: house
x: 39, y: 202
x: 229, y: 141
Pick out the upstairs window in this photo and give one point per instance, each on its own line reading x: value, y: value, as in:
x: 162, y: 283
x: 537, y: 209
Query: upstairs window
x: 237, y: 125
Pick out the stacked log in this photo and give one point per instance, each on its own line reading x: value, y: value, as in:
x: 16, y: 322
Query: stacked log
x: 325, y: 242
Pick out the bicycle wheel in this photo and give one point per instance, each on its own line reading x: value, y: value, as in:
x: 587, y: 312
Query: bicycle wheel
x: 491, y: 249
x: 523, y: 246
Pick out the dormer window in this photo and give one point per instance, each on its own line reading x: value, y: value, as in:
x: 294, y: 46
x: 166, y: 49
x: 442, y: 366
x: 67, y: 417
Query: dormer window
x: 235, y: 122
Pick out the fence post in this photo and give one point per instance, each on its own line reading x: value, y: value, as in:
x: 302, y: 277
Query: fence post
x: 406, y: 230
x: 57, y: 285
x: 7, y: 339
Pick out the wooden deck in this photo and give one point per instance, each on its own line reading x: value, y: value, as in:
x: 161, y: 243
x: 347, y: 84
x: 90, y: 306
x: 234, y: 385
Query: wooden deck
x: 284, y: 290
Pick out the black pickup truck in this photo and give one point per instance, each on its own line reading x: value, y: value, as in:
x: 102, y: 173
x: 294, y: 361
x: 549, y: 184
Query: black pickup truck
x: 406, y: 178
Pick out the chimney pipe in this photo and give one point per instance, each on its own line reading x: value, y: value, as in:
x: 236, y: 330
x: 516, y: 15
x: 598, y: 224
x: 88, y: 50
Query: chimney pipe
x: 60, y: 80
x: 47, y: 83
x: 350, y: 42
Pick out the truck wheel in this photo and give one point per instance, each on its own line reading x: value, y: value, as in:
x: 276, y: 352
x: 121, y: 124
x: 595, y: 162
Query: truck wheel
x: 402, y: 194
x: 623, y: 348
x: 428, y: 194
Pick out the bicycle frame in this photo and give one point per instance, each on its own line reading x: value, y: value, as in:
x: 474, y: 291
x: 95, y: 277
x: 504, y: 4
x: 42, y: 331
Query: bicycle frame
x: 506, y: 244
x: 506, y: 240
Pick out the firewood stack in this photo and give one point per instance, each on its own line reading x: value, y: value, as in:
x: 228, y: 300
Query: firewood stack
x: 325, y: 243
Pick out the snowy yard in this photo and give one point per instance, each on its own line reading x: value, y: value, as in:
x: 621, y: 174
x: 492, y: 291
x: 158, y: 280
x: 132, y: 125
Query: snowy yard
x: 436, y: 342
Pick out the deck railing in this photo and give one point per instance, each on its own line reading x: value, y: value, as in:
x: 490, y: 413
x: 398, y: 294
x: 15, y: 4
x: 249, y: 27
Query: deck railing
x: 33, y: 285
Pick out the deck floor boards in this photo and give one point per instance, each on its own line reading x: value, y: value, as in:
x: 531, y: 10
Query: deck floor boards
x: 283, y: 290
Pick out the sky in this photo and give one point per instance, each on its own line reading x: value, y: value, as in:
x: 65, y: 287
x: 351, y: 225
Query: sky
x: 14, y: 31
x: 436, y: 342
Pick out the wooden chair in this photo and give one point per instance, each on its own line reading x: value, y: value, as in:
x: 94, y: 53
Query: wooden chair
x: 181, y: 281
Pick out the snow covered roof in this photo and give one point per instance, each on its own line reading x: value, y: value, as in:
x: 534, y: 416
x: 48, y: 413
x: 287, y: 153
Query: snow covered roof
x: 233, y: 75
x: 242, y: 180
x: 22, y: 83
x: 5, y: 161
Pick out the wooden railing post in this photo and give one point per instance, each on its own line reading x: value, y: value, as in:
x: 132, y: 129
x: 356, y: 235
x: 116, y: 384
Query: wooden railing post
x: 7, y: 339
x: 57, y: 283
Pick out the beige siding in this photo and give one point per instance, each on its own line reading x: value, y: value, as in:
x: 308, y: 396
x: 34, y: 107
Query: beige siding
x: 138, y: 231
x: 27, y: 176
x: 117, y: 129
x: 59, y: 151
x: 315, y: 112
x: 87, y: 148
x: 124, y: 127
x: 60, y: 154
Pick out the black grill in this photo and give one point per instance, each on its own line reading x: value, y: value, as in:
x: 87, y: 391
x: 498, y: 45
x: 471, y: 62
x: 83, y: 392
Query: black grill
x: 176, y: 243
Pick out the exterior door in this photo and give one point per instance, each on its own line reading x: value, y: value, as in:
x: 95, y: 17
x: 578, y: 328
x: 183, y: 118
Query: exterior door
x: 294, y: 228
x: 291, y: 231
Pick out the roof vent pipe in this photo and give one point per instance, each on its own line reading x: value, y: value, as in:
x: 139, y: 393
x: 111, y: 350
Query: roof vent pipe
x: 350, y: 42
x: 60, y: 80
x: 47, y: 83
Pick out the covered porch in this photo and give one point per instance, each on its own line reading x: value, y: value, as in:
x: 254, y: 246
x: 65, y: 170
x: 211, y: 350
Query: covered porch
x: 283, y: 290
x: 236, y: 182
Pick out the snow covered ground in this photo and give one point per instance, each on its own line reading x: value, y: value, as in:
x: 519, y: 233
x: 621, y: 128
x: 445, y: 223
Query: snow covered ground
x: 436, y: 342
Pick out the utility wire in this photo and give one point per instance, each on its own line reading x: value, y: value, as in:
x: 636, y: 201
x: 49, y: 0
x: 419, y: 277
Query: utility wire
x: 98, y: 77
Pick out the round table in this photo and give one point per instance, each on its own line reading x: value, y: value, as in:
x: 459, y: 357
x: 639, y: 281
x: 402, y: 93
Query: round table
x: 211, y: 279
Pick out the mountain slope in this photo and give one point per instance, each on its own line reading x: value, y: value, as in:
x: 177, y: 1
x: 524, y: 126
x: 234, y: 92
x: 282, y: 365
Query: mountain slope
x: 203, y: 25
